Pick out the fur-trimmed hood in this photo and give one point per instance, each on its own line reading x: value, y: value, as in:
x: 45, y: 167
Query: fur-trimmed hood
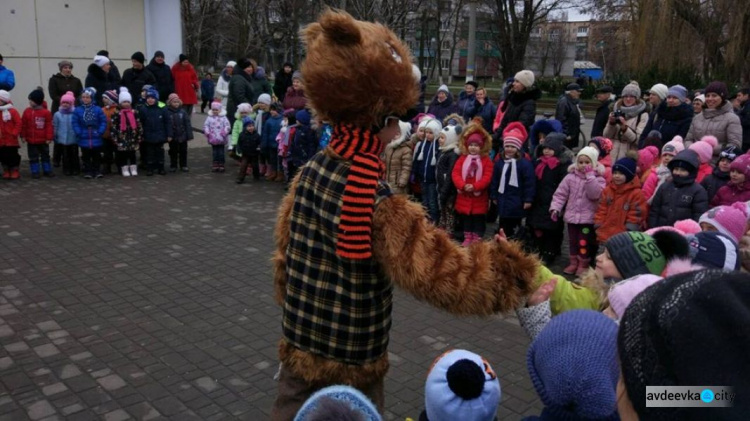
x: 461, y: 121
x: 403, y: 137
x: 517, y: 98
x: 468, y: 131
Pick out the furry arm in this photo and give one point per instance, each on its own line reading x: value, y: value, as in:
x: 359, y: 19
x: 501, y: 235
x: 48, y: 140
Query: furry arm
x: 486, y: 278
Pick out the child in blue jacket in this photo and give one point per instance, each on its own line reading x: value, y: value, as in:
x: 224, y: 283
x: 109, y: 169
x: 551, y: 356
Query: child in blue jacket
x: 156, y: 132
x: 268, y: 145
x: 65, y: 135
x: 89, y: 124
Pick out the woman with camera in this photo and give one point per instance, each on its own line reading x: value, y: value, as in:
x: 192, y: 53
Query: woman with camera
x: 627, y: 121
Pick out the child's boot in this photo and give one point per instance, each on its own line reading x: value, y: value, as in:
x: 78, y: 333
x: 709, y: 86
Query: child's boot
x: 583, y: 265
x: 572, y: 266
x: 221, y: 167
x: 271, y: 176
x: 125, y: 171
x: 133, y: 170
x: 14, y: 173
x: 262, y: 170
x: 47, y: 168
x: 34, y: 166
x: 6, y: 173
x: 467, y: 239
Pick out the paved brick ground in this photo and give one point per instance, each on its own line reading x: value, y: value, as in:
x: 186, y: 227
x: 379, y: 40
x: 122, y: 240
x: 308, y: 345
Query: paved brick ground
x: 150, y: 298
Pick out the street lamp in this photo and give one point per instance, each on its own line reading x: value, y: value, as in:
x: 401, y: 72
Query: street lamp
x: 470, y: 56
x: 433, y: 56
x: 600, y: 45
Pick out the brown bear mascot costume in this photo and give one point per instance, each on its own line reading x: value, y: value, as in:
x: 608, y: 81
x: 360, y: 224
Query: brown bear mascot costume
x: 343, y: 241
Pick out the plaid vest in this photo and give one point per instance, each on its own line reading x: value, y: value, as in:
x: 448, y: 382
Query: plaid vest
x: 335, y: 307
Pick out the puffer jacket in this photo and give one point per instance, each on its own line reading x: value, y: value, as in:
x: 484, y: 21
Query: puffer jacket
x: 714, y: 182
x: 182, y: 131
x: 722, y: 123
x: 622, y: 142
x: 11, y: 129
x: 476, y: 202
x: 423, y: 166
x: 487, y: 112
x: 545, y: 191
x: 569, y: 115
x: 63, y: 124
x: 217, y: 129
x: 731, y: 193
x: 7, y: 78
x: 675, y: 201
x: 519, y: 106
x: 398, y: 164
x: 155, y: 121
x: 222, y: 87
x: 185, y: 83
x: 442, y: 109
x: 294, y: 99
x: 271, y: 129
x: 669, y: 121
x: 510, y: 203
x: 621, y: 208
x: 89, y: 134
x: 467, y: 105
x: 577, y: 197
x: 446, y: 189
x: 36, y: 126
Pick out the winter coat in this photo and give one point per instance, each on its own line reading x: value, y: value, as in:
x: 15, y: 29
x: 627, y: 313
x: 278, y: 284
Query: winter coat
x: 655, y: 179
x: 207, y: 89
x: 217, y: 129
x: 714, y: 182
x: 510, y: 203
x: 237, y: 131
x: 519, y: 106
x: 744, y: 115
x: 164, y: 80
x: 155, y: 121
x: 222, y: 87
x: 63, y: 125
x: 282, y: 83
x: 487, y: 112
x: 675, y: 202
x: 731, y: 193
x: 89, y: 134
x: 607, y: 162
x: 134, y: 80
x: 745, y: 252
x: 446, y: 189
x: 260, y: 86
x: 11, y: 129
x: 36, y: 126
x: 271, y: 129
x: 704, y: 170
x: 621, y: 208
x: 398, y: 164
x: 424, y: 168
x: 467, y: 105
x: 577, y: 197
x: 669, y: 121
x: 182, y: 131
x: 602, y: 117
x: 476, y: 202
x: 539, y: 217
x: 541, y: 126
x: 722, y: 123
x: 294, y: 99
x: 304, y: 145
x: 185, y: 83
x: 442, y: 109
x: 128, y: 139
x: 249, y: 143
x: 569, y: 115
x: 622, y: 142
x: 102, y: 82
x: 58, y: 85
x: 7, y: 79
x: 240, y: 90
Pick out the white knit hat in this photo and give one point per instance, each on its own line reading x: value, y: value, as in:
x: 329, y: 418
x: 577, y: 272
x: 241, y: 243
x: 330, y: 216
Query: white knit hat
x: 660, y: 90
x: 101, y: 60
x: 4, y: 96
x: 125, y: 95
x: 231, y: 63
x: 434, y: 126
x: 526, y: 77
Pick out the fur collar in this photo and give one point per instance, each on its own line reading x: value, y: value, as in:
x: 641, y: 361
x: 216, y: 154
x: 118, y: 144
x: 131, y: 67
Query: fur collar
x: 517, y: 98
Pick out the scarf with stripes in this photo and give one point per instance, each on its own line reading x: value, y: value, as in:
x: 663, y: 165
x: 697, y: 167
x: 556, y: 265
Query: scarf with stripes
x: 362, y: 147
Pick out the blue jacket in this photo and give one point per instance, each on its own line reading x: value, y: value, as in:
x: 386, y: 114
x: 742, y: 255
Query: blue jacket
x: 510, y: 203
x: 207, y: 89
x: 304, y: 145
x: 8, y: 79
x: 64, y: 133
x: 467, y: 106
x: 271, y: 129
x: 487, y: 112
x: 89, y: 135
x: 155, y: 121
x: 424, y: 170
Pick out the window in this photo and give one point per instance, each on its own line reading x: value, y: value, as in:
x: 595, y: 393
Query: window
x: 446, y: 45
x: 445, y: 63
x: 583, y: 31
x: 536, y: 32
x: 554, y: 34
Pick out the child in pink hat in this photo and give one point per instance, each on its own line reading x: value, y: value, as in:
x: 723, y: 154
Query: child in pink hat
x: 738, y: 187
x: 729, y: 220
x: 705, y: 150
x: 661, y: 173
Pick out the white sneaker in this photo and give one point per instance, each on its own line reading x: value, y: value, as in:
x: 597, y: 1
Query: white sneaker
x: 125, y: 171
x: 134, y: 170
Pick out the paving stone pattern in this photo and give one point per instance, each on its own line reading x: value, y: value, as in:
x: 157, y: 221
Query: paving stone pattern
x: 151, y: 298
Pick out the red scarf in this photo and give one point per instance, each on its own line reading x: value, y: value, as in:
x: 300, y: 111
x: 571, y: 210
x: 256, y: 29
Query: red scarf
x: 127, y: 116
x: 362, y: 147
x: 546, y: 161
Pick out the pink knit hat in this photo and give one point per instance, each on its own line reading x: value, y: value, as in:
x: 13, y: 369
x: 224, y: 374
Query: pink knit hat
x: 673, y: 147
x: 742, y: 164
x: 173, y: 97
x: 705, y: 148
x: 622, y: 293
x: 729, y: 220
x: 515, y: 135
x: 646, y: 157
x: 68, y: 98
x: 687, y: 226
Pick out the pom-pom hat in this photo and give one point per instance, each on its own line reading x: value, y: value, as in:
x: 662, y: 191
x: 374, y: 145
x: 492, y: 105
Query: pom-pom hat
x: 515, y: 135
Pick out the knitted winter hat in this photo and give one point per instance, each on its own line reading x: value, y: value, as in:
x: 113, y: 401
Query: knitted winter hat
x: 244, y: 108
x: 718, y: 88
x: 139, y: 57
x: 64, y: 63
x: 260, y: 72
x: 159, y: 53
x: 461, y: 386
x: 173, y: 98
x: 37, y: 96
x: 622, y: 293
x: 434, y: 126
x: 515, y: 135
x: 182, y: 58
x: 90, y: 91
x: 555, y: 141
x: 637, y: 253
x: 303, y: 117
x: 297, y: 75
x: 678, y: 91
x: 231, y: 63
x: 526, y: 77
x: 660, y: 90
x: 714, y: 250
x: 646, y: 157
x: 264, y: 99
x: 451, y: 138
x: 100, y: 60
x: 731, y: 153
x: 603, y: 144
x: 729, y: 220
x: 673, y: 147
x: 626, y: 166
x: 589, y: 152
x: 654, y: 139
x: 475, y: 138
x: 338, y: 403
x: 124, y: 95
x: 443, y: 88
x: 742, y: 164
x: 68, y: 98
x: 688, y: 330
x: 152, y: 93
x: 247, y: 121
x: 244, y: 63
x: 573, y: 366
x: 687, y: 226
x: 111, y: 95
x: 216, y: 105
x: 704, y: 148
x: 4, y: 96
x: 632, y: 89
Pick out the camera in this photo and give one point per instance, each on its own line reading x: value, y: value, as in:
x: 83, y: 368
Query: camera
x: 617, y: 114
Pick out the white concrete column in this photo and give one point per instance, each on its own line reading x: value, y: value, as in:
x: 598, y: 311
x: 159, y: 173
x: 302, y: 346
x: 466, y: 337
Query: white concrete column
x: 163, y: 29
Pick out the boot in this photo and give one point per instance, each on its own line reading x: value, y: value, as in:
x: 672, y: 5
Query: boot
x: 47, y: 168
x: 34, y: 166
x: 133, y: 170
x: 271, y: 176
x: 215, y: 166
x: 14, y: 173
x: 583, y: 265
x: 6, y: 173
x: 572, y: 266
x: 249, y: 170
x: 467, y: 239
x: 125, y: 171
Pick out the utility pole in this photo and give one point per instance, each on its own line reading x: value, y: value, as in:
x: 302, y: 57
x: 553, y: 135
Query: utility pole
x: 600, y: 44
x: 470, y: 57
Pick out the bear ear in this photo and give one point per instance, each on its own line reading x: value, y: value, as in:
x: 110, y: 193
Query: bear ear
x: 340, y: 28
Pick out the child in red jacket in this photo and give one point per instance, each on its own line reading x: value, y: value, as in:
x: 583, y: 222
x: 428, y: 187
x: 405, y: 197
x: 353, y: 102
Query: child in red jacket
x: 10, y: 127
x: 37, y: 131
x: 472, y: 175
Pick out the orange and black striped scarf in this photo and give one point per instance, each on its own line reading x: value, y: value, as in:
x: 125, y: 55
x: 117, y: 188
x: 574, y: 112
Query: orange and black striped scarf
x: 362, y: 147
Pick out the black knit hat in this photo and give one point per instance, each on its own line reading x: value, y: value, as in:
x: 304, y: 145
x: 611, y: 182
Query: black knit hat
x: 37, y: 96
x: 139, y: 57
x: 688, y: 330
x: 159, y: 53
x: 243, y: 63
x: 183, y: 57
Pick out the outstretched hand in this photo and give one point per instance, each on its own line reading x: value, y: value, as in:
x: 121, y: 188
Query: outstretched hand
x: 500, y: 237
x: 542, y: 293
